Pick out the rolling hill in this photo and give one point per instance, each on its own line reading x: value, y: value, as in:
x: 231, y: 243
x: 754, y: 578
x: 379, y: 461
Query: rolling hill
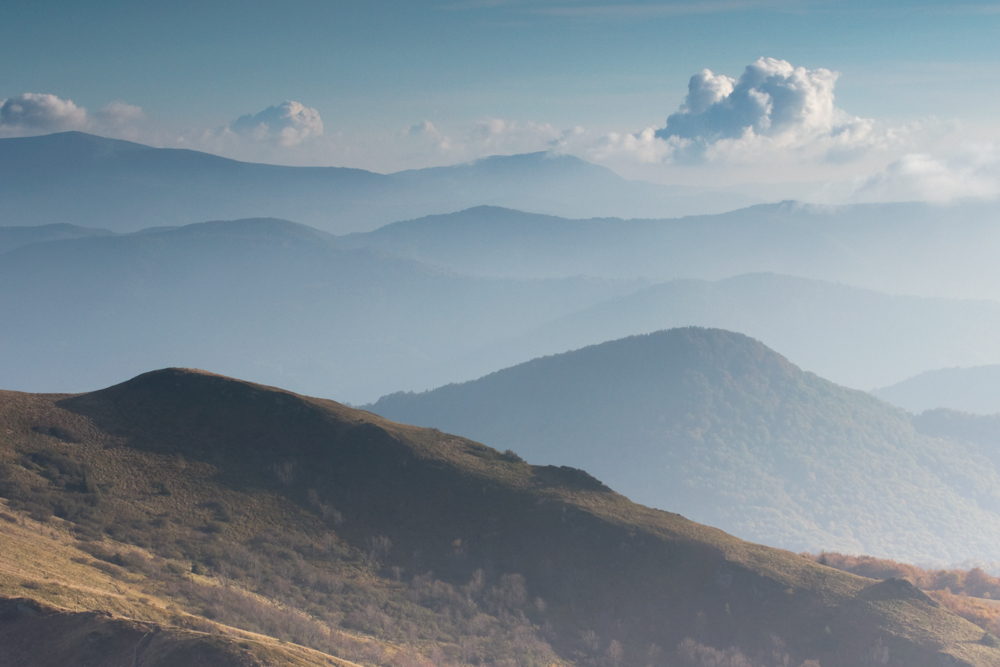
x: 720, y: 428
x: 182, y: 511
x: 82, y: 179
x: 973, y: 389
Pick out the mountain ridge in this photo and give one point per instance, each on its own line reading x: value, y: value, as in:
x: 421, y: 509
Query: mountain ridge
x: 92, y: 181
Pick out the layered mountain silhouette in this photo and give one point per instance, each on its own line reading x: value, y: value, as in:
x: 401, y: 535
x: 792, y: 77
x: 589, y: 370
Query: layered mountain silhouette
x: 279, y: 302
x: 857, y: 337
x: 82, y: 179
x: 266, y: 298
x: 973, y: 389
x: 907, y: 248
x: 182, y: 500
x: 720, y: 428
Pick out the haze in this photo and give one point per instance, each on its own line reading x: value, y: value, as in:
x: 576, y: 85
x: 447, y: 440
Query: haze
x: 734, y: 261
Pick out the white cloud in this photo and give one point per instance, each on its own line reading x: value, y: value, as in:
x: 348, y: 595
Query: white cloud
x: 40, y: 113
x: 971, y: 173
x: 288, y: 124
x: 773, y: 111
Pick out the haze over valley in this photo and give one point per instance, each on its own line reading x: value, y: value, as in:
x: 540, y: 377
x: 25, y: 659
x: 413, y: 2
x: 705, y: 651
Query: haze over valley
x: 535, y: 333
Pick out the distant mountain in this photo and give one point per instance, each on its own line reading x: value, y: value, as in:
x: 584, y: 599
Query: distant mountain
x: 898, y: 248
x: 77, y: 178
x: 269, y: 299
x: 720, y: 428
x: 981, y: 430
x: 182, y: 501
x: 856, y: 337
x: 15, y: 237
x: 975, y: 389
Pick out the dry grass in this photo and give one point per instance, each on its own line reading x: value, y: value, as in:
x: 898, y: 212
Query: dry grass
x: 282, y: 501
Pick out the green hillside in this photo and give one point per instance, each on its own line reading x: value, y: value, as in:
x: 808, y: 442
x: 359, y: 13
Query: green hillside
x: 722, y: 429
x: 228, y: 513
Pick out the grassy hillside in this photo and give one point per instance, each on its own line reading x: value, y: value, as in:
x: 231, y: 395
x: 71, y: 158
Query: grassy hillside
x: 720, y: 428
x: 214, y: 508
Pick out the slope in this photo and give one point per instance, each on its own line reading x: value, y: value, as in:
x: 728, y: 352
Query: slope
x: 722, y: 429
x: 269, y: 299
x: 342, y: 515
x: 974, y: 389
x: 72, y: 177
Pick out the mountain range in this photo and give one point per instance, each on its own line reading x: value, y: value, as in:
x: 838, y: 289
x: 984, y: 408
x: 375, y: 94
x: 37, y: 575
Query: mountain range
x: 283, y: 303
x: 259, y: 527
x: 718, y: 427
x: 272, y: 299
x: 900, y: 248
x: 82, y: 179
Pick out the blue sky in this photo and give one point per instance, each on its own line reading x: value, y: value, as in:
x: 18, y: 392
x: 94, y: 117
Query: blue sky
x: 392, y: 85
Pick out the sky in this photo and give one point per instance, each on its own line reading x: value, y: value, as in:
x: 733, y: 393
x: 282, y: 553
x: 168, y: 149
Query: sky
x: 829, y: 101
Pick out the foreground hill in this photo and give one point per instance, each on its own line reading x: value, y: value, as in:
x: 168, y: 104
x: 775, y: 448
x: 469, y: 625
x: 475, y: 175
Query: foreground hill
x: 906, y: 248
x: 975, y: 389
x: 268, y: 299
x: 211, y: 504
x: 77, y: 178
x: 722, y: 429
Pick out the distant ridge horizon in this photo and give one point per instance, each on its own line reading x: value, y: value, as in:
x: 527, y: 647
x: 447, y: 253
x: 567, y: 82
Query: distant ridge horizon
x: 89, y: 180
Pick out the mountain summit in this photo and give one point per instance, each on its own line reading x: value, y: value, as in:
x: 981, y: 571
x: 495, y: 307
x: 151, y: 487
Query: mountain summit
x: 717, y: 426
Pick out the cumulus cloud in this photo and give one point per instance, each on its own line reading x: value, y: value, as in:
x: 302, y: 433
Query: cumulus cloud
x: 771, y: 98
x: 38, y: 113
x: 288, y: 124
x: 971, y: 173
x: 773, y: 108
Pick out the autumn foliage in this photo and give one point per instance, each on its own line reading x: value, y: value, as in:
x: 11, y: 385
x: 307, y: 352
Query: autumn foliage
x: 972, y: 594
